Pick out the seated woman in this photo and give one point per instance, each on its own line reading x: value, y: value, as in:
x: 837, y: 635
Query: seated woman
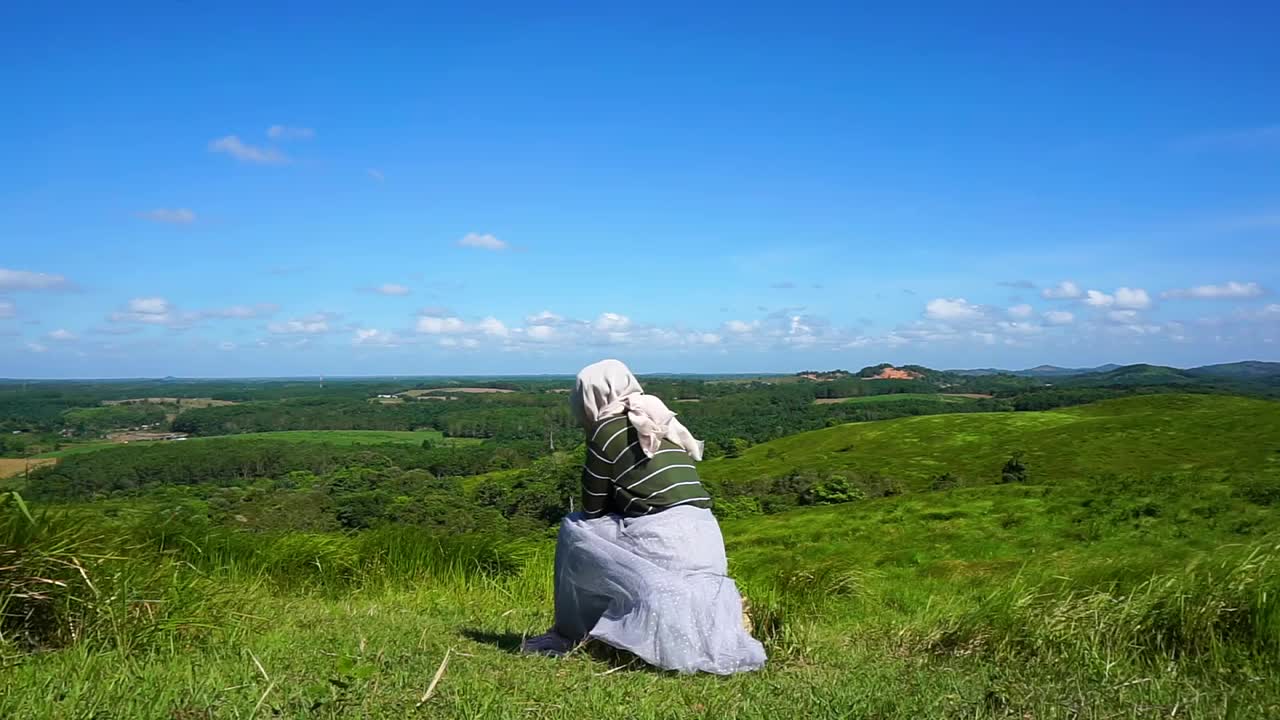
x: 642, y: 566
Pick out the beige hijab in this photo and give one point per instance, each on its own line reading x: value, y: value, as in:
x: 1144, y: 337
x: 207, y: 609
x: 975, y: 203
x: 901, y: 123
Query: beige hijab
x: 607, y: 389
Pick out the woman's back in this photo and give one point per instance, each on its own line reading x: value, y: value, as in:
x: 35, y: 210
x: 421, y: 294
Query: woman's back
x: 619, y: 477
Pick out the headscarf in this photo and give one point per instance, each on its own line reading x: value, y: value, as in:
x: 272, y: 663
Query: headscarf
x: 608, y: 389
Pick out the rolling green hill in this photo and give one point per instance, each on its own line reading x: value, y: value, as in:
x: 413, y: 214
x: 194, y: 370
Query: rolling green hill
x: 1148, y: 593
x: 1247, y: 370
x: 1136, y: 435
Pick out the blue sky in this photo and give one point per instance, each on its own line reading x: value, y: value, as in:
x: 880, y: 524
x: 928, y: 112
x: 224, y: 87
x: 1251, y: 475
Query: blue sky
x: 239, y: 190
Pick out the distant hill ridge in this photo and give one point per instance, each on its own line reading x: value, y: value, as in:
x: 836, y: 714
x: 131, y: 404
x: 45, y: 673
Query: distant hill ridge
x: 1248, y: 369
x: 1162, y: 374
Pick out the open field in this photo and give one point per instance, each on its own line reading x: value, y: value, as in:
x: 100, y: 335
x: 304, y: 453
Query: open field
x: 9, y: 467
x: 894, y: 397
x: 467, y: 390
x: 1144, y: 434
x: 336, y: 437
x: 346, y: 437
x: 185, y: 403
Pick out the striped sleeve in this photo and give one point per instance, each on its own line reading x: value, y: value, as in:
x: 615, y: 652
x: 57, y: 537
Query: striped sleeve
x: 595, y: 493
x: 597, y: 470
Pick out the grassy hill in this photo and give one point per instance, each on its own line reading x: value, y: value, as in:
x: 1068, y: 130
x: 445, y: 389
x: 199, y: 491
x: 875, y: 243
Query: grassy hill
x: 1136, y: 435
x: 1141, y: 599
x: 1247, y: 370
x: 1134, y: 576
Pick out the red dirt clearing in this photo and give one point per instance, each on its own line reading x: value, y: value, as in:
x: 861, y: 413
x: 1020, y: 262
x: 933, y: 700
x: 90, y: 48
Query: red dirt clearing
x: 891, y: 373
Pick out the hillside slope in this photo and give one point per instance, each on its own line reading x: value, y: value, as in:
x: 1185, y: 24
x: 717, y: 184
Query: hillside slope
x: 1136, y: 435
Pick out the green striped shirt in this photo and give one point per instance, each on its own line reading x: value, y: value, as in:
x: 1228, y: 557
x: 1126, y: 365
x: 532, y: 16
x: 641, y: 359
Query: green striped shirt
x: 618, y: 478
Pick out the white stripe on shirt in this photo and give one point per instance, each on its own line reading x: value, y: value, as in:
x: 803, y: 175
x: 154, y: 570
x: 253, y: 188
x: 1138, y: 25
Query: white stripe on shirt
x: 621, y: 453
x: 657, y: 472
x: 605, y: 444
x: 646, y: 459
x: 601, y: 427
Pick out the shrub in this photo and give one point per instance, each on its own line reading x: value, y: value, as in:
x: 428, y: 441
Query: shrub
x: 1014, y: 470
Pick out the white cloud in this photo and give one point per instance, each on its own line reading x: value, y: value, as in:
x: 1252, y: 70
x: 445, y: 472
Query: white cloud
x: 150, y: 310
x: 314, y: 324
x: 62, y: 335
x: 376, y: 174
x: 492, y: 327
x: 1065, y: 290
x: 172, y: 216
x: 541, y: 333
x: 1059, y: 317
x: 952, y: 310
x: 1097, y: 298
x: 546, y: 317
x: 1018, y: 328
x: 27, y: 280
x: 7, y: 309
x: 371, y: 337
x: 485, y: 242
x: 739, y: 327
x: 238, y: 312
x: 612, y: 323
x: 149, y: 305
x: 285, y: 132
x: 391, y: 289
x: 1132, y: 298
x: 438, y: 325
x: 1227, y: 290
x: 36, y: 347
x: 1124, y: 317
x: 244, y: 152
x: 449, y: 342
x: 1021, y: 312
x: 116, y: 330
x: 159, y: 311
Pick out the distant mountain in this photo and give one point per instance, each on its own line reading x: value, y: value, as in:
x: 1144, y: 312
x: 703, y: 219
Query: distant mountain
x: 1247, y: 370
x: 1039, y: 371
x: 1140, y: 374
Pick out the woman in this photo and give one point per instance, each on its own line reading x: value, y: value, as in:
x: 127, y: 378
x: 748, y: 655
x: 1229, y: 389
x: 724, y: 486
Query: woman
x: 642, y: 566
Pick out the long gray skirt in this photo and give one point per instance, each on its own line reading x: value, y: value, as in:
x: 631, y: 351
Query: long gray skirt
x: 655, y: 586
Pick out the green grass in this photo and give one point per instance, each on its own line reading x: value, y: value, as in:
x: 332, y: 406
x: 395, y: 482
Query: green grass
x: 1136, y: 435
x: 894, y: 397
x: 335, y: 437
x: 1140, y: 582
x: 981, y: 602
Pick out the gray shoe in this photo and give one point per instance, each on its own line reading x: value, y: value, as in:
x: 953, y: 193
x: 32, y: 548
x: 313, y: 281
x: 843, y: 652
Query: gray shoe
x: 549, y: 643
